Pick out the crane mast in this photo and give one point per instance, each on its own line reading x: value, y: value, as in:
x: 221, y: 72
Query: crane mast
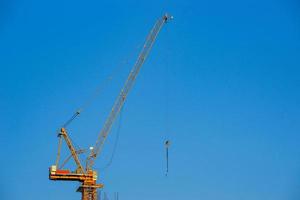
x: 88, y: 177
x: 119, y: 102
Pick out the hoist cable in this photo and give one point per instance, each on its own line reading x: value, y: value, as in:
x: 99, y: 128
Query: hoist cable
x: 116, y: 142
x: 167, y: 101
x: 167, y: 145
x: 167, y: 157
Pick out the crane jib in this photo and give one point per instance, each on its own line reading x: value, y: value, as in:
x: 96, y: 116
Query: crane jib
x: 119, y: 102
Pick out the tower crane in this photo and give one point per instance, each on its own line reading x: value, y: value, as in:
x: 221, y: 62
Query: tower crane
x: 88, y: 176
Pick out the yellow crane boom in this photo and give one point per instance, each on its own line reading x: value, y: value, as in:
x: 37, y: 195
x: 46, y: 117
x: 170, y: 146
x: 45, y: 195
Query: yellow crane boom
x: 64, y: 133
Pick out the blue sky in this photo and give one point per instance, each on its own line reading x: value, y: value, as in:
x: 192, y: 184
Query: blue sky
x: 222, y: 82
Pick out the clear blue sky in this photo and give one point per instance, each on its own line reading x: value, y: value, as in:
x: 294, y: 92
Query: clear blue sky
x: 226, y: 71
